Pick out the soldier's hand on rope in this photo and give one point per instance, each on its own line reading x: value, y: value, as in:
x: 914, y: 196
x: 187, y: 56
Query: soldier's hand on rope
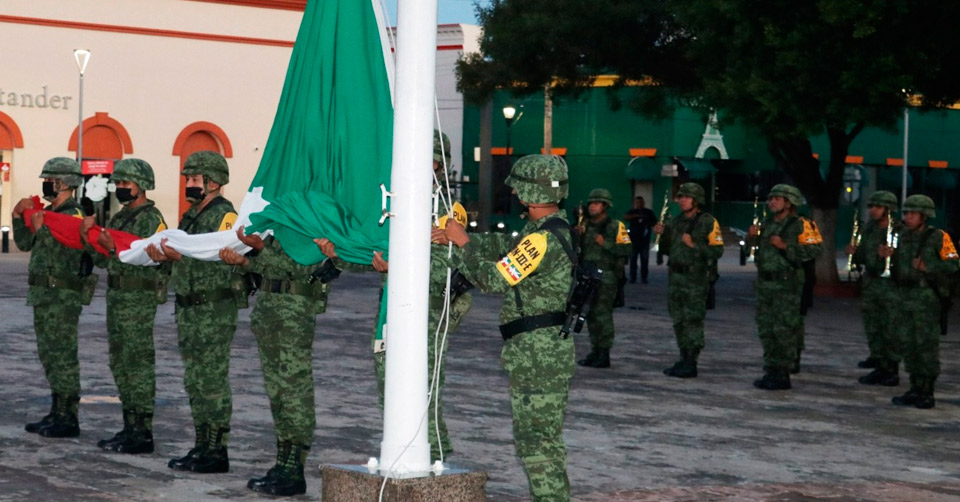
x: 456, y: 233
x: 438, y: 237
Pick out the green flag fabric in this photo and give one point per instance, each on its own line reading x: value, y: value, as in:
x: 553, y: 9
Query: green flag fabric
x: 330, y: 146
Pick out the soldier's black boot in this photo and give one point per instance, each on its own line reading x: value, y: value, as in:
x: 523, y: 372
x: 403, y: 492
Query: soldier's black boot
x: 140, y: 437
x: 35, y: 427
x: 686, y: 367
x: 602, y: 360
x: 213, y: 459
x: 286, y: 477
x: 64, y: 423
x: 201, y: 440
x: 869, y: 362
x: 110, y: 444
x: 926, y: 401
x: 910, y: 397
x: 774, y: 380
x: 591, y: 357
x: 883, y: 375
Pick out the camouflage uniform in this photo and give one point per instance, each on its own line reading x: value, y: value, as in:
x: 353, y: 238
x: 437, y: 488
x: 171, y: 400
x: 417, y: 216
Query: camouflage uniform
x: 284, y: 321
x: 690, y: 276
x: 206, y: 314
x: 55, y: 295
x: 610, y: 257
x: 779, y: 287
x: 879, y: 296
x: 132, y: 298
x: 538, y: 361
x: 917, y: 313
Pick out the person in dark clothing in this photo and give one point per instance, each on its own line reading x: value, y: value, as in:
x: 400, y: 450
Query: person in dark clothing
x: 641, y: 221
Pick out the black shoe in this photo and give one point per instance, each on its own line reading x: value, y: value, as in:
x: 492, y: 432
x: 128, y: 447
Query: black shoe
x: 110, y: 444
x: 589, y: 359
x: 257, y: 484
x: 603, y: 359
x: 682, y: 369
x: 138, y: 441
x: 63, y: 426
x: 211, y: 461
x: 925, y: 402
x: 286, y: 477
x: 909, y: 398
x: 774, y: 381
x: 870, y: 362
x: 208, y: 456
x: 34, y: 427
x: 185, y: 463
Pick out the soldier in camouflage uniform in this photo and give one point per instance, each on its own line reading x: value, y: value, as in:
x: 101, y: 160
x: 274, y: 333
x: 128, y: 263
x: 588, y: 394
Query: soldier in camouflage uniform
x: 921, y: 265
x: 605, y: 242
x: 208, y: 295
x: 284, y: 321
x: 879, y: 293
x: 56, y: 279
x: 133, y: 294
x: 693, y: 241
x: 786, y: 242
x: 538, y: 360
x: 438, y: 325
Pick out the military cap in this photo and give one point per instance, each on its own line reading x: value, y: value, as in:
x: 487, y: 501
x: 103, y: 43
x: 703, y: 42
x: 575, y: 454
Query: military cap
x: 65, y: 169
x: 883, y: 198
x: 694, y: 191
x: 209, y: 164
x: 789, y: 192
x: 601, y: 195
x: 920, y: 204
x: 441, y: 148
x: 539, y: 179
x: 135, y: 170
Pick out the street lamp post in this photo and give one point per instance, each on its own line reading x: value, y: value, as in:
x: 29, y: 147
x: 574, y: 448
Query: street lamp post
x: 82, y: 57
x: 509, y: 113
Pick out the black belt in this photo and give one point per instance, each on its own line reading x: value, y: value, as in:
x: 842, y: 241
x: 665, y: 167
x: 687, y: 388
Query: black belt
x: 202, y: 297
x: 524, y: 324
x: 57, y: 282
x: 777, y: 276
x: 132, y: 283
x: 284, y: 286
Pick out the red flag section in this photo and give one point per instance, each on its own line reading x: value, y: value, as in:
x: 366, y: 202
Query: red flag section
x: 66, y: 230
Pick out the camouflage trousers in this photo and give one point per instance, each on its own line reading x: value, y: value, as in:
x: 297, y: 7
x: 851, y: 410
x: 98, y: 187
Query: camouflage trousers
x: 130, y: 317
x: 687, y: 304
x: 55, y: 323
x: 284, y: 325
x: 437, y: 435
x: 205, y: 335
x: 918, y: 319
x: 879, y: 305
x: 600, y: 315
x: 540, y: 365
x: 779, y: 322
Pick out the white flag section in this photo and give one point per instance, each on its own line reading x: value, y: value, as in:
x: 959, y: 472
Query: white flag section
x: 199, y: 246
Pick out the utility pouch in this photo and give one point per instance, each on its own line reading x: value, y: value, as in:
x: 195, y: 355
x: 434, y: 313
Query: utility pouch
x: 239, y: 289
x: 87, y: 289
x: 161, y: 292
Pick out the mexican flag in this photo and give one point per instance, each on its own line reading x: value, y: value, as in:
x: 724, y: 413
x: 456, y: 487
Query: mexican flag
x: 328, y: 152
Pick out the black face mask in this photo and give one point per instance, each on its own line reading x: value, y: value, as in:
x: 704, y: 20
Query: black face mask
x: 125, y: 195
x: 48, y: 191
x: 193, y: 194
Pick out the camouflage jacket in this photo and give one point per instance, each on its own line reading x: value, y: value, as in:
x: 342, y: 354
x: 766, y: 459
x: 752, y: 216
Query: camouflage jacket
x: 872, y: 237
x: 803, y: 242
x: 274, y: 264
x: 612, y: 255
x: 532, y: 269
x: 707, y: 240
x: 190, y: 275
x: 934, y: 247
x: 142, y: 221
x: 48, y: 257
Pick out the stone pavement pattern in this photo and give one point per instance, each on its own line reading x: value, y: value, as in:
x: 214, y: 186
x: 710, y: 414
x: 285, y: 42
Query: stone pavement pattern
x: 632, y: 433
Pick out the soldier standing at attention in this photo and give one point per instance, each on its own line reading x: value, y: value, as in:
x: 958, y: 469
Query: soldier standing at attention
x: 922, y: 262
x: 879, y: 293
x: 787, y: 241
x: 133, y: 294
x: 284, y: 321
x: 692, y: 240
x: 534, y: 275
x: 208, y: 297
x: 55, y: 293
x: 605, y: 242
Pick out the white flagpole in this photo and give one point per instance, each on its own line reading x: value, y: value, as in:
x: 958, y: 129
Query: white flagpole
x: 405, y: 448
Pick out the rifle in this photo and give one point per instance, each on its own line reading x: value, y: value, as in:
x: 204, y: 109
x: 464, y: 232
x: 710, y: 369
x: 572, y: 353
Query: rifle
x: 855, y: 242
x: 663, y: 213
x: 758, y: 223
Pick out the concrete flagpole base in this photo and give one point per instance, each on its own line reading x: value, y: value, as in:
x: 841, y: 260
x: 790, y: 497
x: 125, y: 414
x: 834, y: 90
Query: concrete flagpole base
x: 355, y: 483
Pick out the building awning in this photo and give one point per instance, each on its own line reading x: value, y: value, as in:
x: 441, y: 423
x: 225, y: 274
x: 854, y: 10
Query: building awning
x: 643, y: 169
x: 942, y: 179
x: 698, y: 168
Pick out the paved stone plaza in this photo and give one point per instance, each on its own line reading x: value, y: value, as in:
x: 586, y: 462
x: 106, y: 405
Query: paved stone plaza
x: 632, y: 433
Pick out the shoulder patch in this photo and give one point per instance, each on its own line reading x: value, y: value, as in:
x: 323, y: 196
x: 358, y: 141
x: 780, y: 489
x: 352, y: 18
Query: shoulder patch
x: 227, y: 222
x: 623, y: 236
x: 947, y: 251
x: 77, y: 214
x: 459, y: 215
x: 524, y: 259
x: 810, y: 234
x: 716, y: 237
x: 161, y: 227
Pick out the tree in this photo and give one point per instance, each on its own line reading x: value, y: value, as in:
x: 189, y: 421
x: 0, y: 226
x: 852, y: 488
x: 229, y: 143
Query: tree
x: 791, y: 69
